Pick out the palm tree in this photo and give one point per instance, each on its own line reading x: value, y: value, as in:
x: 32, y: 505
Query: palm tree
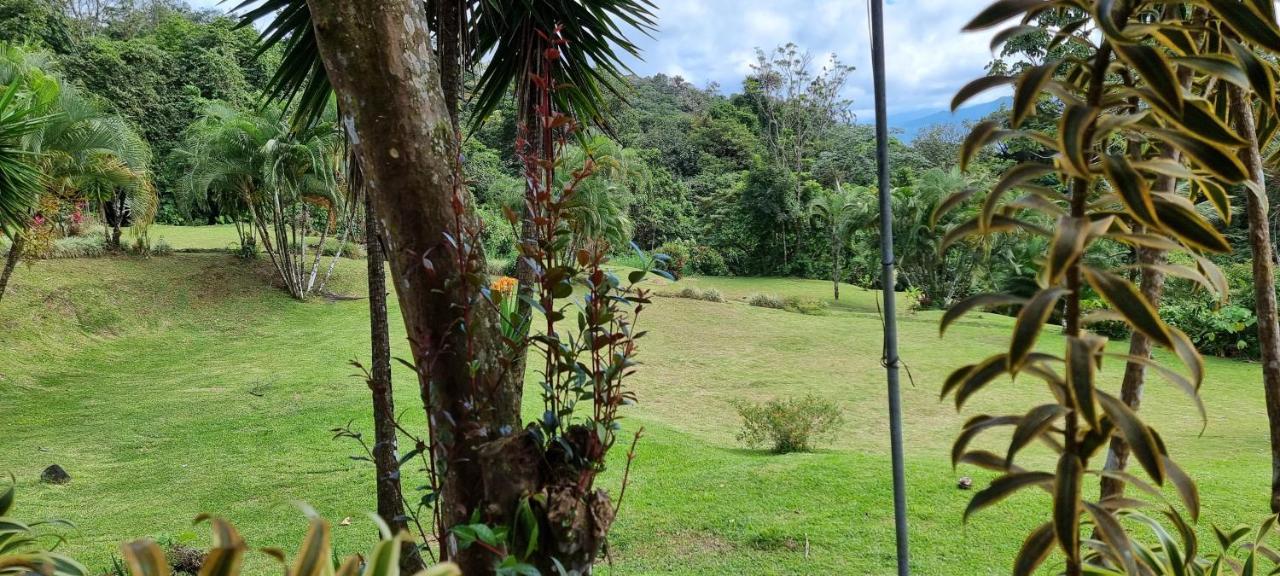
x: 257, y: 165
x: 82, y: 151
x: 841, y: 215
x: 20, y: 178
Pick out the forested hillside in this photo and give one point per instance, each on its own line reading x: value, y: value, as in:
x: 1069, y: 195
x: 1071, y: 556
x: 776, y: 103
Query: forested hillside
x: 772, y: 179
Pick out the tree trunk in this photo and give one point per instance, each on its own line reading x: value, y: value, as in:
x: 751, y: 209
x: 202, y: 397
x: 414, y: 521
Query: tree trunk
x: 11, y: 262
x: 379, y: 60
x: 1264, y: 285
x: 386, y: 456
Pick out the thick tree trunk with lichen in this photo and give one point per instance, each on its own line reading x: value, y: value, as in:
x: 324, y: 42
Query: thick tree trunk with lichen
x: 11, y: 261
x: 1264, y: 287
x: 379, y: 60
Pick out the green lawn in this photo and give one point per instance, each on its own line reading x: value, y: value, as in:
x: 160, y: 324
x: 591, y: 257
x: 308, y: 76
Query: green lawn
x: 184, y: 384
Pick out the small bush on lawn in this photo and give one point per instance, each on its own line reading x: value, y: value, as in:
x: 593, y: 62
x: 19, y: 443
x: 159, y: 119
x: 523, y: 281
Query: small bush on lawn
x: 810, y: 306
x: 767, y: 301
x: 691, y: 293
x: 87, y: 246
x: 791, y: 425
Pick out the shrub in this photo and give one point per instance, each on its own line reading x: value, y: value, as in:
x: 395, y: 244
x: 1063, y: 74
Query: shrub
x: 767, y: 301
x: 87, y: 246
x: 707, y: 261
x: 810, y: 306
x: 161, y: 248
x: 677, y: 254
x: 790, y: 425
x: 691, y: 293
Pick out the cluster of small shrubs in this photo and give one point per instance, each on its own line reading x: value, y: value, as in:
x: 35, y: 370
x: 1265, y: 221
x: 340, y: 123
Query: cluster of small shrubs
x: 691, y: 293
x: 791, y: 425
x: 677, y: 255
x: 811, y: 306
x: 86, y: 246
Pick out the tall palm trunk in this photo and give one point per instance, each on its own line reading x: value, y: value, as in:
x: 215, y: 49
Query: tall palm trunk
x: 1264, y: 284
x: 386, y: 458
x: 378, y: 57
x: 11, y: 261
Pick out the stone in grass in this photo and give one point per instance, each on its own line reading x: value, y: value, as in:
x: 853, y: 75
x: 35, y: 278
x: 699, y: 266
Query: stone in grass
x: 55, y: 474
x: 965, y: 483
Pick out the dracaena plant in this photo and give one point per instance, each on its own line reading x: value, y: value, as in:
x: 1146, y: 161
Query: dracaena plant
x: 1143, y: 138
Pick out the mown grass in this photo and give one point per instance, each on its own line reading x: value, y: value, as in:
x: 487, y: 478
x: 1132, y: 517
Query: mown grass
x: 184, y: 384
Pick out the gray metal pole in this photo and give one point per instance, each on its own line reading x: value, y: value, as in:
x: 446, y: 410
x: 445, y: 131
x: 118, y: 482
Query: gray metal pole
x: 887, y: 279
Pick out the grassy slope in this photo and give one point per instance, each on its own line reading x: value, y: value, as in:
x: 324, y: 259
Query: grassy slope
x: 183, y: 384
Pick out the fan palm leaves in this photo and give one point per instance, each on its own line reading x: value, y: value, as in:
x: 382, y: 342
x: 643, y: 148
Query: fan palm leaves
x: 20, y: 178
x: 506, y: 31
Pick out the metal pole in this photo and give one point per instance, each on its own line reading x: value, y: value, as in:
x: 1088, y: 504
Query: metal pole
x: 887, y: 279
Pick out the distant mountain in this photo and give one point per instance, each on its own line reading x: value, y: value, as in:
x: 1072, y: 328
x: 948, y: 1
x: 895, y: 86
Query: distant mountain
x: 909, y: 124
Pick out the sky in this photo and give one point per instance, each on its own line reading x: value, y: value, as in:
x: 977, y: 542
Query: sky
x: 927, y: 57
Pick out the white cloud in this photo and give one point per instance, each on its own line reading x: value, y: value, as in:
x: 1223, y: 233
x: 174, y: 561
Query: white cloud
x: 927, y: 57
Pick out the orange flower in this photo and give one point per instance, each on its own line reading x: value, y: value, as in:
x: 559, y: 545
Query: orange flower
x: 503, y: 284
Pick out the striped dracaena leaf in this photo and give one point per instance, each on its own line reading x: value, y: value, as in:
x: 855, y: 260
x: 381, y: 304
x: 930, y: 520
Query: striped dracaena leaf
x: 980, y: 136
x: 1142, y: 443
x: 1132, y: 187
x: 1031, y: 426
x: 1006, y: 486
x: 313, y: 557
x: 1214, y: 158
x: 1082, y: 364
x: 1260, y: 73
x: 972, y: 428
x: 1125, y: 298
x: 976, y: 87
x: 1178, y: 217
x: 979, y: 376
x: 1027, y: 90
x: 999, y: 12
x: 1066, y: 502
x: 1035, y: 549
x: 1218, y: 66
x: 145, y: 558
x: 1247, y: 21
x: 979, y: 301
x: 1069, y: 239
x: 1154, y: 69
x: 1073, y: 142
x: 1031, y: 319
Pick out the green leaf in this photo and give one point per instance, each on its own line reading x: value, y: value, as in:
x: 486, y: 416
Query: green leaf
x: 314, y: 554
x: 1000, y: 11
x: 1067, y: 246
x: 1133, y: 188
x: 1031, y: 426
x: 1129, y: 302
x: 1217, y: 159
x: 1247, y: 22
x: 1027, y: 89
x: 980, y: 376
x: 1185, y: 486
x: 1031, y: 319
x: 1081, y: 366
x: 976, y: 87
x: 385, y: 559
x: 1034, y: 550
x: 959, y: 309
x: 1012, y: 178
x: 1178, y: 217
x: 1217, y: 66
x: 145, y: 558
x: 982, y: 134
x: 1072, y: 144
x: 1066, y: 502
x: 1005, y: 486
x: 6, y: 500
x: 1109, y: 528
x: 975, y: 426
x: 1136, y: 434
x: 1259, y: 72
x: 1151, y: 65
